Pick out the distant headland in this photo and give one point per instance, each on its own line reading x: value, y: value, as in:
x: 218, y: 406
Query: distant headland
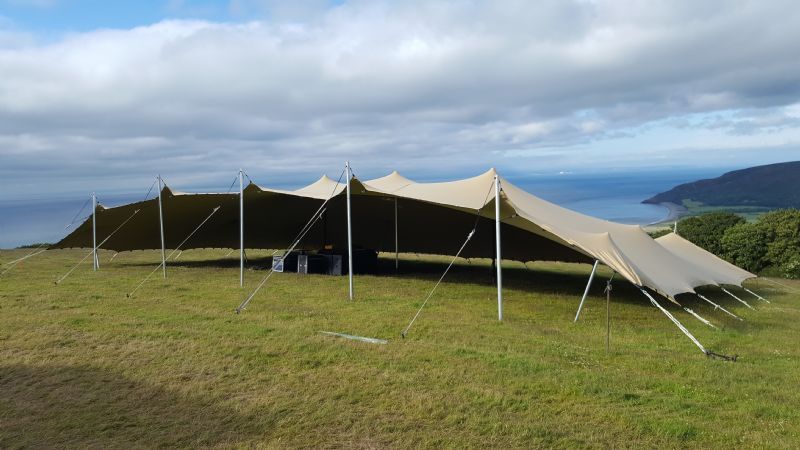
x: 749, y: 192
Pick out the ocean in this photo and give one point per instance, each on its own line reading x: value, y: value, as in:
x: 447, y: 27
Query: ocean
x: 611, y: 196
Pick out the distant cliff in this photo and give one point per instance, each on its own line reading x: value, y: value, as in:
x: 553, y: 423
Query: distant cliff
x: 771, y: 186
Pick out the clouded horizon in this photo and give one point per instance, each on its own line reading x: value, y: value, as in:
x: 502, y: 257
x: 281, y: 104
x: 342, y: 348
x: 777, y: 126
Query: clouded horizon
x: 109, y: 95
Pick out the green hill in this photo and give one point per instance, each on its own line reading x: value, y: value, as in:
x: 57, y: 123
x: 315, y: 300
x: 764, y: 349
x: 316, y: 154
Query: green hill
x: 771, y: 186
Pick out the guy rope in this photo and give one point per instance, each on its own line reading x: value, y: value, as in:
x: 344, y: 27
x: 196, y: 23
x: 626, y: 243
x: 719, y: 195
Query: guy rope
x: 306, y: 228
x: 452, y: 261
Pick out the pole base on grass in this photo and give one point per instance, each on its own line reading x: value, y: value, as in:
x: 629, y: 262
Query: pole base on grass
x: 711, y: 354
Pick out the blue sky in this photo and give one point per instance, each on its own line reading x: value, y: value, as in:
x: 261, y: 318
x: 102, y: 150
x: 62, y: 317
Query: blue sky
x: 53, y: 16
x: 109, y: 93
x: 60, y: 16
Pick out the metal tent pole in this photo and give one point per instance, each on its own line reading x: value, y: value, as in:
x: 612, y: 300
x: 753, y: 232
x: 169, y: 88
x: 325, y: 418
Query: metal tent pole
x: 96, y: 264
x: 241, y: 229
x: 498, y: 255
x: 675, y: 321
x: 396, y: 241
x: 161, y: 225
x: 608, y: 316
x: 757, y: 296
x: 716, y: 306
x: 586, y: 291
x: 349, y: 231
x: 737, y: 298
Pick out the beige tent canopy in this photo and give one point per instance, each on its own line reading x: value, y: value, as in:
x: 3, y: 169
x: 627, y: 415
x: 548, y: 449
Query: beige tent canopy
x: 716, y: 268
x: 432, y: 218
x: 393, y: 213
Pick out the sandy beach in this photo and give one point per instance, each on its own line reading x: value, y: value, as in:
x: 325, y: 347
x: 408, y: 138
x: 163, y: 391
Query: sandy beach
x: 675, y: 212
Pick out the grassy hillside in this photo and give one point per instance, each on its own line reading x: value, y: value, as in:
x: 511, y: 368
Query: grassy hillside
x: 81, y: 365
x: 763, y: 187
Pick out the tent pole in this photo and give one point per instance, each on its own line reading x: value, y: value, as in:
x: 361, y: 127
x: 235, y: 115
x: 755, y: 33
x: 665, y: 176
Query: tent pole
x: 161, y: 225
x: 674, y: 320
x: 396, y: 244
x: 497, y: 234
x: 737, y: 298
x: 699, y: 317
x: 716, y: 306
x: 241, y: 229
x: 608, y: 316
x: 586, y: 291
x: 757, y: 296
x: 96, y: 264
x: 349, y: 232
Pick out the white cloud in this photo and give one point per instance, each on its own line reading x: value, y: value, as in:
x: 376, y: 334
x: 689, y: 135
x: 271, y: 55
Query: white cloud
x: 448, y: 85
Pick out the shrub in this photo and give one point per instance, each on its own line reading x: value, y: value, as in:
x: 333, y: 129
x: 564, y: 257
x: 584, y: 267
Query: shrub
x: 658, y: 233
x: 791, y: 269
x: 745, y: 245
x: 771, y: 243
x: 783, y: 233
x: 706, y: 231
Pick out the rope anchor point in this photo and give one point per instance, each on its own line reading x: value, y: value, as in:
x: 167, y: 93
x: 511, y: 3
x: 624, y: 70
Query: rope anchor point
x: 713, y: 355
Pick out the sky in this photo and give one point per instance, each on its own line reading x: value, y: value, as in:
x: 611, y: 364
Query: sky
x: 99, y: 95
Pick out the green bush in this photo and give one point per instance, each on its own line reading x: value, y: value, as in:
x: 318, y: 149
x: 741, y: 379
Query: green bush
x: 773, y: 241
x: 791, y: 269
x: 783, y: 231
x: 706, y: 231
x: 658, y: 233
x: 745, y: 245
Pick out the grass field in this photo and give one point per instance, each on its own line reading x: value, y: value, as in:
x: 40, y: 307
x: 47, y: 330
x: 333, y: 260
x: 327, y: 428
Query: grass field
x: 82, y: 366
x: 749, y: 213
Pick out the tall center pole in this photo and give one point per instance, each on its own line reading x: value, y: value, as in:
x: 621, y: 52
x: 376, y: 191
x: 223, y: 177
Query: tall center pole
x: 349, y: 232
x: 161, y: 225
x: 396, y: 241
x: 241, y: 229
x: 498, y: 256
x: 96, y: 264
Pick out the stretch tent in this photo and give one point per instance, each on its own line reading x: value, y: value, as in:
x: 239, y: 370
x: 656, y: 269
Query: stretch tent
x: 427, y: 218
x: 717, y: 269
x: 394, y: 213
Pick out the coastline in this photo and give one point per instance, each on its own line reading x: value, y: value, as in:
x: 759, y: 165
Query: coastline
x: 674, y: 213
